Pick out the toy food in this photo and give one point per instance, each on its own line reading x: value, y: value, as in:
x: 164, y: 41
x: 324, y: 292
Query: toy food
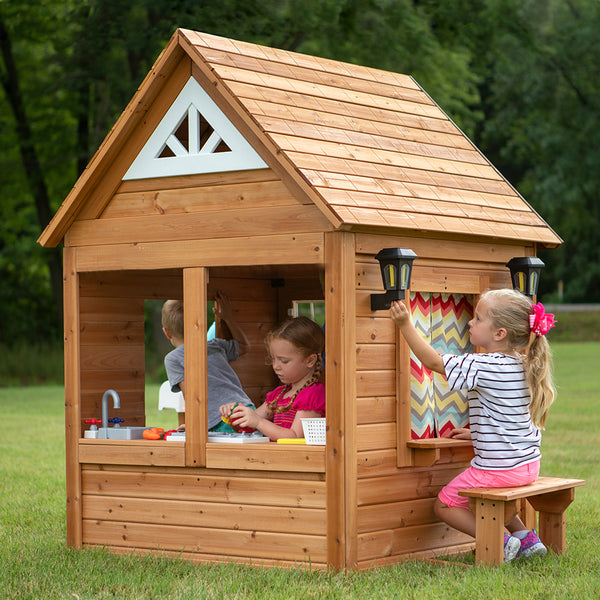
x: 236, y: 428
x: 154, y: 433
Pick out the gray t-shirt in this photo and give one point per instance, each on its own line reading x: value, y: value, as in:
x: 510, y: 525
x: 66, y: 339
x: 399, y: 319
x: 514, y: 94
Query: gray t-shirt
x: 223, y: 383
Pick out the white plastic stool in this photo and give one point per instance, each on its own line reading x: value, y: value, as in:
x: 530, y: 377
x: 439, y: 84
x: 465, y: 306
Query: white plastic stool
x: 169, y: 399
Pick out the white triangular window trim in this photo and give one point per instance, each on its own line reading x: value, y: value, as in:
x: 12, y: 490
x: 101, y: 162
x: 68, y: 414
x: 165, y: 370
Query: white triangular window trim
x: 194, y: 137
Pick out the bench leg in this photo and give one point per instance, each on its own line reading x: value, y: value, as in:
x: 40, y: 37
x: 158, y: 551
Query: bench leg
x: 527, y: 514
x: 490, y: 516
x: 551, y: 508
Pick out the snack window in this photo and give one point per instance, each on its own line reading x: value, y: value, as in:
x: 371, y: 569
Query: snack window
x: 435, y: 410
x: 443, y: 320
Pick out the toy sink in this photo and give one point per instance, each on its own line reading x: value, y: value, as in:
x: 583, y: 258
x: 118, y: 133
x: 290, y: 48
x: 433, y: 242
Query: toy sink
x: 120, y: 433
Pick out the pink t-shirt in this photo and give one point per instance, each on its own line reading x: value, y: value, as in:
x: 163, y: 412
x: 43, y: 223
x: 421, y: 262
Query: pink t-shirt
x: 310, y: 398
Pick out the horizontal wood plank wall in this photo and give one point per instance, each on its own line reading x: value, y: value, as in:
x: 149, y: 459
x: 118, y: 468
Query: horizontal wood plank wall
x: 266, y: 457
x: 200, y: 220
x: 112, y: 348
x: 157, y: 285
x: 132, y: 452
x: 466, y: 253
x: 248, y: 221
x: 279, y: 249
x: 210, y: 193
x: 216, y: 514
x: 395, y: 505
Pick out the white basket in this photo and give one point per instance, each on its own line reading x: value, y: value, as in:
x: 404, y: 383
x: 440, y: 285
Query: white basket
x: 314, y: 431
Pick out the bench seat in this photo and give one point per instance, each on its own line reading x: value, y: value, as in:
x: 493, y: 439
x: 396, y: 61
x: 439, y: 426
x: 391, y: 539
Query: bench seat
x: 494, y: 507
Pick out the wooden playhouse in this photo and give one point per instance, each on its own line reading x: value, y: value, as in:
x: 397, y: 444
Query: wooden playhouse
x: 277, y: 177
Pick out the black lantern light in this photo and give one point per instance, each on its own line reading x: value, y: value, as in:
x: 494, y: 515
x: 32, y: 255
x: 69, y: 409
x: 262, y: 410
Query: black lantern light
x: 525, y: 274
x: 396, y: 267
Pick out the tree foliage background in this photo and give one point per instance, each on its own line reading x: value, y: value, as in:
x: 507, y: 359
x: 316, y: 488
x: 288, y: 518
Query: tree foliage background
x: 520, y: 77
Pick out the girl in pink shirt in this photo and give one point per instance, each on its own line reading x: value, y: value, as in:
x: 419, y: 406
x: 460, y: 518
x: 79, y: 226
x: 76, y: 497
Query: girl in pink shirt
x: 295, y: 352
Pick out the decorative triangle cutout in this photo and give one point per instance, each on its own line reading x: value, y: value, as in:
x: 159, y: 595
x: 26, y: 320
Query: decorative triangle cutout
x: 194, y: 137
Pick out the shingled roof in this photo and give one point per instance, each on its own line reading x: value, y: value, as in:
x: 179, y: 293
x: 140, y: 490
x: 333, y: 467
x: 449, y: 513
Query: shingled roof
x: 370, y: 148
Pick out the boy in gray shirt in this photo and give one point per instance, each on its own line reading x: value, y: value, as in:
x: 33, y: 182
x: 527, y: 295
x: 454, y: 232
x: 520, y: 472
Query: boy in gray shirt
x: 223, y: 383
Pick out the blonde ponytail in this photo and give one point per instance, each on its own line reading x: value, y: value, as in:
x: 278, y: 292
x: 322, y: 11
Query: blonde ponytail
x: 510, y: 310
x: 538, y: 372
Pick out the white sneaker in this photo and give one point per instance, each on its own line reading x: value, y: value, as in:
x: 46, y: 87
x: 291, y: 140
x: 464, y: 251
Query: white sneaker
x: 512, y: 545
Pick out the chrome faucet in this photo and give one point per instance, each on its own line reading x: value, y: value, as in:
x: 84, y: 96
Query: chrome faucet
x: 116, y: 404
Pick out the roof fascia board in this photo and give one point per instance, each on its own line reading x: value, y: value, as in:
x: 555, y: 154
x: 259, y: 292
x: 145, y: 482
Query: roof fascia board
x: 399, y: 231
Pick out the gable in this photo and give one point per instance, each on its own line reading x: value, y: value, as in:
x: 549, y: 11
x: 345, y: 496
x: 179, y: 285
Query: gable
x: 194, y: 137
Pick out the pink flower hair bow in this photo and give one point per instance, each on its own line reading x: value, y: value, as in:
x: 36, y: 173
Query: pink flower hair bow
x: 541, y: 323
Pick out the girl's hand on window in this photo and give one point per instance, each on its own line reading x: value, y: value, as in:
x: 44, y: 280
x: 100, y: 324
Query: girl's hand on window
x: 461, y: 434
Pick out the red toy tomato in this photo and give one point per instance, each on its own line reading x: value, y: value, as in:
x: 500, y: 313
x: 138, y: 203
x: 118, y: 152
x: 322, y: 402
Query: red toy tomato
x: 236, y: 428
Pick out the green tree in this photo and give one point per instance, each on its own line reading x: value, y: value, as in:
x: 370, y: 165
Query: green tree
x: 69, y: 68
x: 32, y: 283
x: 518, y: 76
x: 544, y: 113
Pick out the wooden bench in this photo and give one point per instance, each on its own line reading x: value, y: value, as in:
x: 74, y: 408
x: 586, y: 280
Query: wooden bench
x: 494, y: 507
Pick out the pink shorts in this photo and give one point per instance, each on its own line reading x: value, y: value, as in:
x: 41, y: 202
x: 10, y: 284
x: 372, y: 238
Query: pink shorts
x: 473, y: 477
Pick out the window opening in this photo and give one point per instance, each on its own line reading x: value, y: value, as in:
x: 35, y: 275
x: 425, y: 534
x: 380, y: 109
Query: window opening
x: 313, y: 309
x: 442, y: 319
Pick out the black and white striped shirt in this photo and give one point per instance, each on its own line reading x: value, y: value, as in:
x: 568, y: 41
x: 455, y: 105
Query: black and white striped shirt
x: 504, y: 437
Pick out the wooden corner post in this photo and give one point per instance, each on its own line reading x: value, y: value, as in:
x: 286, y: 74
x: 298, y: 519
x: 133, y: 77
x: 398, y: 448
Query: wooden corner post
x: 72, y: 396
x: 340, y: 369
x: 195, y: 281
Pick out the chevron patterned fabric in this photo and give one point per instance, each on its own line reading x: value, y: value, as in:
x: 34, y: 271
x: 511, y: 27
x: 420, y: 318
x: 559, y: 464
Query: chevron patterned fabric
x: 422, y: 406
x: 450, y: 316
x: 442, y: 319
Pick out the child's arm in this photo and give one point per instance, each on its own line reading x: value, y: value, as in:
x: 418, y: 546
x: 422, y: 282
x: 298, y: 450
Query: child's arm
x: 423, y: 351
x: 260, y: 419
x: 223, y: 310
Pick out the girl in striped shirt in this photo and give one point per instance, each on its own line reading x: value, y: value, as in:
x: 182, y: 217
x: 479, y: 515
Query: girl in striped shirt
x: 295, y: 352
x: 509, y: 390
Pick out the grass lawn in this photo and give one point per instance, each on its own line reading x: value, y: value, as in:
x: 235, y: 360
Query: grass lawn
x: 37, y: 564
